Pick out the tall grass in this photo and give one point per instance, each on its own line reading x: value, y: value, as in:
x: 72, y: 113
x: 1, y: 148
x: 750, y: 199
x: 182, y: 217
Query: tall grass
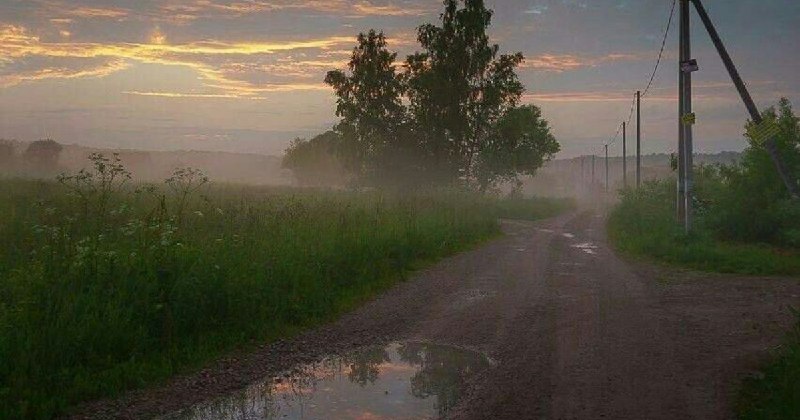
x: 93, y: 303
x: 776, y: 394
x: 643, y: 224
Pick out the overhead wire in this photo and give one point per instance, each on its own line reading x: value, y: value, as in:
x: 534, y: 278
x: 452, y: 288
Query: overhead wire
x: 652, y: 75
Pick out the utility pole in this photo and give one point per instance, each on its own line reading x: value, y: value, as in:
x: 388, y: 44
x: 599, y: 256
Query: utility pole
x: 755, y: 115
x: 638, y: 138
x: 681, y: 199
x: 624, y: 154
x: 687, y: 118
x: 593, y: 178
x: 606, y: 168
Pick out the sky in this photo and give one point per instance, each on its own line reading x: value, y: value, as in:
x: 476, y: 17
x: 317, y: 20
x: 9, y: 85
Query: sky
x: 246, y: 75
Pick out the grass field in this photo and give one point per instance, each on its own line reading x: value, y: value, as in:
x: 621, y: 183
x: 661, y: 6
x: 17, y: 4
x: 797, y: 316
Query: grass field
x: 643, y: 225
x: 776, y: 394
x: 107, y: 289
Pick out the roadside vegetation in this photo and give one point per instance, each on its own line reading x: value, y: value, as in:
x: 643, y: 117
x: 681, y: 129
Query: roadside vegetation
x: 107, y: 286
x: 745, y: 222
x: 776, y: 393
x: 744, y: 219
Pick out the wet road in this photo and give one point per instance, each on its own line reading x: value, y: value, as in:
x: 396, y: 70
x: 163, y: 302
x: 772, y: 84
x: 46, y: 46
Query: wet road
x: 574, y: 332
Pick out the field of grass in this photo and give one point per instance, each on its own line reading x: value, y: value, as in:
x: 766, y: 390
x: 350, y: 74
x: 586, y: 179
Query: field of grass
x: 104, y: 288
x: 775, y: 395
x: 643, y: 225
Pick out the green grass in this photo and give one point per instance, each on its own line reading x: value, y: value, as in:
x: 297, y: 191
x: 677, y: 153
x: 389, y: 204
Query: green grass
x: 643, y: 225
x: 93, y: 302
x: 776, y: 394
x: 533, y: 208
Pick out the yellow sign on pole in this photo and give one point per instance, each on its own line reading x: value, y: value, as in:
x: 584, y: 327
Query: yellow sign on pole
x: 689, y: 119
x: 760, y: 133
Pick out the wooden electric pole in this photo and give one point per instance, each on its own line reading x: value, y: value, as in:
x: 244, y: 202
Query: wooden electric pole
x: 638, y: 139
x: 680, y: 200
x: 687, y: 118
x: 624, y: 154
x: 606, y: 168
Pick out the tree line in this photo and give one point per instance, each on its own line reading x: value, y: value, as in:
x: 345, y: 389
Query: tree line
x: 450, y: 113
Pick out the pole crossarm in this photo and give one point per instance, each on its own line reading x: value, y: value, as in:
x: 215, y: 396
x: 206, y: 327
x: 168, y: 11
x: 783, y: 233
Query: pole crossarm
x: 769, y: 144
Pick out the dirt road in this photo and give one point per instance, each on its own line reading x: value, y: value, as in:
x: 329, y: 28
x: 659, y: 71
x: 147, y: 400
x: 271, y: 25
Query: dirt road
x: 577, y: 332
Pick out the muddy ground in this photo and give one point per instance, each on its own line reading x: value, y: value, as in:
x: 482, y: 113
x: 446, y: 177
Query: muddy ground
x: 577, y: 332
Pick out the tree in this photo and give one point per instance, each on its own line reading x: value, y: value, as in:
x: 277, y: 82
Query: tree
x: 6, y: 154
x: 369, y: 102
x: 753, y: 204
x: 458, y: 87
x: 315, y: 162
x: 519, y: 144
x: 43, y: 156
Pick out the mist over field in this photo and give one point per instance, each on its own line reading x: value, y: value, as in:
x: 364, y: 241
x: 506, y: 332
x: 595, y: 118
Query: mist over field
x: 374, y: 209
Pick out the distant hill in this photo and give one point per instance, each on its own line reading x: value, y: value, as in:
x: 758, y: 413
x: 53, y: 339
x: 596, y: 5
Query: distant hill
x: 243, y: 168
x: 572, y: 177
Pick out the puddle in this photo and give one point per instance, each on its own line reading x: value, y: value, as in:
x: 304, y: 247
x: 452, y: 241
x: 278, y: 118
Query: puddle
x: 568, y: 235
x: 402, y: 380
x: 587, y: 247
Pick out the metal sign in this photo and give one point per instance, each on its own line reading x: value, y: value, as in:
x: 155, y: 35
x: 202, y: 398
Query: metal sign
x: 689, y: 66
x: 760, y: 133
x: 689, y: 119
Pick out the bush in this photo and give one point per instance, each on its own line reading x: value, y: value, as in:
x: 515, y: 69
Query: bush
x: 775, y: 395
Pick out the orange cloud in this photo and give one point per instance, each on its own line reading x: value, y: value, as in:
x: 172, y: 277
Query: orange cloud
x: 17, y: 43
x: 559, y: 63
x: 102, y: 70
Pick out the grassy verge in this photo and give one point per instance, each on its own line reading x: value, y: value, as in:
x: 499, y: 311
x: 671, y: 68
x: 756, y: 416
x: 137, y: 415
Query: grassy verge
x: 776, y: 394
x: 125, y: 289
x: 533, y: 208
x: 643, y: 225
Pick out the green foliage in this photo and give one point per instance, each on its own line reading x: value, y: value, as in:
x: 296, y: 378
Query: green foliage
x: 462, y: 96
x: 643, y: 224
x: 368, y: 102
x: 751, y: 202
x: 94, y: 187
x: 519, y: 208
x: 458, y: 86
x: 775, y: 395
x: 316, y: 162
x: 520, y: 143
x: 42, y: 156
x: 169, y: 279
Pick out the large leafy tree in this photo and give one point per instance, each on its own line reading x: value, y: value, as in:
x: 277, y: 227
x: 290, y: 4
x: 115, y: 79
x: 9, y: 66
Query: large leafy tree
x: 369, y: 102
x: 519, y: 144
x: 452, y: 115
x: 459, y: 86
x: 315, y: 162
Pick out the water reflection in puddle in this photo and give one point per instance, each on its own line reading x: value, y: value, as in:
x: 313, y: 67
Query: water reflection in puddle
x: 402, y: 380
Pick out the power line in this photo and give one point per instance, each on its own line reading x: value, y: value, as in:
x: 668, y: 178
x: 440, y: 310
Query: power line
x: 652, y: 75
x: 663, y: 45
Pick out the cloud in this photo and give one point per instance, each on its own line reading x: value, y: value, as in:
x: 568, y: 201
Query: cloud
x: 201, y: 9
x: 64, y: 71
x: 560, y: 63
x: 219, y: 64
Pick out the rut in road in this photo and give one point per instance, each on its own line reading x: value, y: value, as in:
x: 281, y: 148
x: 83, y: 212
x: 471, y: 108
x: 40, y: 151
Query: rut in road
x: 577, y: 332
